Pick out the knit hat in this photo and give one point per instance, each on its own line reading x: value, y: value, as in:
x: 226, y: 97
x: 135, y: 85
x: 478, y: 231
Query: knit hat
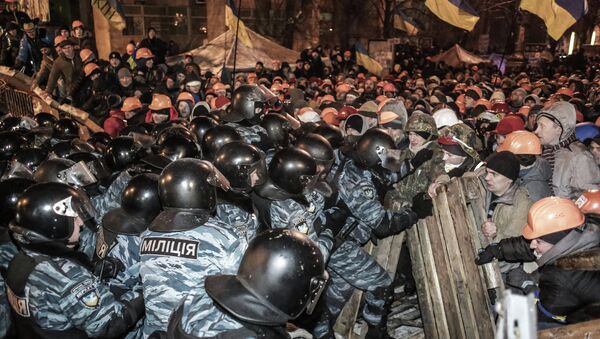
x: 498, y: 96
x: 554, y: 238
x: 509, y: 124
x: 504, y: 163
x: 472, y: 94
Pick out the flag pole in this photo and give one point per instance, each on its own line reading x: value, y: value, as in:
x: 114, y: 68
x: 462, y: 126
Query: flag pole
x: 237, y: 28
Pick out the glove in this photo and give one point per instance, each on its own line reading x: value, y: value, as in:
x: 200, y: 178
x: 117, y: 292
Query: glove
x: 422, y: 205
x: 394, y: 223
x: 108, y: 268
x: 420, y: 158
x: 486, y: 255
x: 332, y: 219
x: 520, y: 279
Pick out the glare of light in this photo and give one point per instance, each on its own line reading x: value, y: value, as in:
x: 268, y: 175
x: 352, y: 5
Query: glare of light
x: 593, y: 41
x: 571, y: 43
x: 331, y: 29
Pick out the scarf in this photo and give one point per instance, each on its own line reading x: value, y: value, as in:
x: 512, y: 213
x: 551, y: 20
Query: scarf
x: 549, y: 152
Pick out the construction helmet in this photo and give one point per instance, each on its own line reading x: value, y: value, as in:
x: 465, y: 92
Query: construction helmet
x: 501, y: 107
x: 76, y: 24
x: 160, y: 101
x: 445, y: 117
x: 90, y: 68
x: 421, y: 122
x: 521, y: 143
x: 185, y: 96
x: 58, y: 39
x: 130, y: 104
x: 85, y: 53
x: 143, y: 53
x: 551, y: 215
x: 589, y: 202
x: 483, y: 102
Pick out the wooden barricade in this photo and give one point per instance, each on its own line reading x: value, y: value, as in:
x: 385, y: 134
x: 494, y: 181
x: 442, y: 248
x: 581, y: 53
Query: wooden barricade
x: 22, y: 98
x: 452, y: 290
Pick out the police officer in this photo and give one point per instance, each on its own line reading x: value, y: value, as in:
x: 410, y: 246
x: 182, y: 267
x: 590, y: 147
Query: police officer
x: 282, y: 274
x: 185, y: 243
x: 349, y: 266
x: 245, y: 168
x: 51, y: 290
x: 288, y: 198
x: 10, y: 190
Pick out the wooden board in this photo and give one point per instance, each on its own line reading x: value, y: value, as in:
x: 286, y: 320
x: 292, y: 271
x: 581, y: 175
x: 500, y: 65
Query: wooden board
x: 585, y: 330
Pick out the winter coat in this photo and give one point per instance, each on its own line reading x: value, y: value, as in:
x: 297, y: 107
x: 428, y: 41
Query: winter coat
x: 536, y: 179
x: 510, y: 213
x: 9, y: 49
x: 115, y: 123
x: 575, y: 171
x: 63, y: 68
x: 30, y: 55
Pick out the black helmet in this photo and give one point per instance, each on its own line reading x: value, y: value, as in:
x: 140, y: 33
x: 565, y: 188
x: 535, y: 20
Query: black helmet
x: 199, y: 126
x: 66, y: 129
x: 319, y: 148
x: 139, y: 128
x: 65, y: 148
x: 10, y: 143
x: 332, y: 133
x: 10, y: 190
x: 139, y: 206
x: 31, y: 157
x: 247, y: 102
x: 242, y: 164
x: 293, y: 170
x: 282, y: 273
x: 173, y: 130
x: 64, y: 171
x: 45, y: 119
x: 370, y: 146
x: 278, y: 129
x: 217, y: 137
x: 122, y: 152
x: 177, y: 146
x: 82, y: 156
x: 100, y: 141
x: 46, y: 214
x: 10, y: 123
x: 187, y: 191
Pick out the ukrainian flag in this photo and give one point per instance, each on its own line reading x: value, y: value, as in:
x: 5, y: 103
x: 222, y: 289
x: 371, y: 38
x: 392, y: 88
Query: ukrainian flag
x: 404, y: 23
x: 231, y: 20
x: 112, y: 11
x: 363, y: 59
x: 455, y: 12
x: 558, y: 15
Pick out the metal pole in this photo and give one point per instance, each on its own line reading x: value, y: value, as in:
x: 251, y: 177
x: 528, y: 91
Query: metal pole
x: 237, y: 28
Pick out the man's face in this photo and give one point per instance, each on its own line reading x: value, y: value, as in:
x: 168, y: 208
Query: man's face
x: 74, y: 238
x: 595, y: 149
x: 517, y: 98
x: 184, y: 109
x: 548, y: 131
x: 30, y: 33
x: 500, y: 139
x: 415, y: 140
x: 453, y: 159
x: 65, y: 33
x: 540, y: 247
x: 258, y: 68
x: 188, y: 60
x: 194, y: 89
x: 13, y: 32
x: 469, y: 102
x: 149, y: 63
x: 12, y: 6
x: 78, y: 32
x: 125, y: 81
x: 152, y: 34
x: 496, y: 182
x: 114, y: 62
x: 68, y: 51
x: 369, y: 85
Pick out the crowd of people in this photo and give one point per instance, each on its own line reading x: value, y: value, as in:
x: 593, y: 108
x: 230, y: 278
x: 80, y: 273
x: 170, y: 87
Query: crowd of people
x: 239, y: 210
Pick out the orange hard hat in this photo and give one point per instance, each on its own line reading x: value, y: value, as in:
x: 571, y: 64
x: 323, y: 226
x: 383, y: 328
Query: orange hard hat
x: 565, y: 91
x: 387, y: 87
x: 275, y: 87
x: 484, y: 102
x: 85, y: 53
x: 343, y: 88
x: 185, y: 96
x: 476, y: 89
x: 521, y: 143
x: 460, y: 102
x: 329, y: 115
x: 381, y: 98
x: 143, y: 53
x: 551, y: 215
x: 76, y: 24
x: 589, y: 202
x: 524, y: 111
x: 58, y: 39
x: 160, y: 101
x: 327, y: 98
x: 598, y: 122
x: 131, y: 103
x: 90, y: 68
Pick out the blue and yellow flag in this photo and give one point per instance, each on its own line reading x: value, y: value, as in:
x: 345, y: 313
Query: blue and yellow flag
x: 363, y: 59
x: 558, y: 15
x: 231, y: 20
x: 455, y: 12
x: 112, y: 11
x: 405, y: 23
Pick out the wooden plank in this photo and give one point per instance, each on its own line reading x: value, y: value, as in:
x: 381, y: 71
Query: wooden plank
x: 423, y: 287
x: 432, y: 276
x: 476, y: 288
x: 442, y: 258
x: 457, y: 272
x: 588, y: 329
